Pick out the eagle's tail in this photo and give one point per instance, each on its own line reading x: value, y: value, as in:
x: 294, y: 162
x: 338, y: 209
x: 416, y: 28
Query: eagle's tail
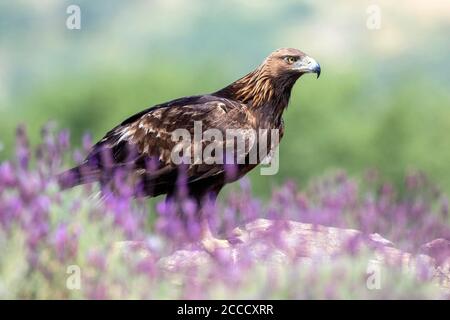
x: 81, y: 174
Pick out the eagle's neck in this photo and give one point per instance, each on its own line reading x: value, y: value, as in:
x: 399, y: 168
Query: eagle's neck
x: 266, y: 95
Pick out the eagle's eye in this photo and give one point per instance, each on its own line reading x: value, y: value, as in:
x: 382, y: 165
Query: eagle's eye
x: 290, y: 59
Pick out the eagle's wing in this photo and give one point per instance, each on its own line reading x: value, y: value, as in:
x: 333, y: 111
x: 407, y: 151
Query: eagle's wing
x: 144, y: 143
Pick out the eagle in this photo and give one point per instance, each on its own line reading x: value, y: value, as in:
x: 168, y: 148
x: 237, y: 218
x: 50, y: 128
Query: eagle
x: 144, y: 145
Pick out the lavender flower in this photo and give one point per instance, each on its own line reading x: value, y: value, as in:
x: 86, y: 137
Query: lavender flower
x: 43, y: 231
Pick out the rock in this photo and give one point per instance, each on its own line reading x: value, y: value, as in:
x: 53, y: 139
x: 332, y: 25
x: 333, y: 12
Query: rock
x: 439, y: 249
x: 280, y: 242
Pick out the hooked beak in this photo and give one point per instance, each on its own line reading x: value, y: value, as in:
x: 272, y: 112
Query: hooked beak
x: 308, y: 65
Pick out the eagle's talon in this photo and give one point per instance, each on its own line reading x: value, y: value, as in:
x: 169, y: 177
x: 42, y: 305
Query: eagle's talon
x: 237, y: 232
x: 211, y: 245
x: 221, y: 249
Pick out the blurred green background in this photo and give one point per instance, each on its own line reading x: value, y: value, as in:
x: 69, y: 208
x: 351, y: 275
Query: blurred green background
x: 383, y: 100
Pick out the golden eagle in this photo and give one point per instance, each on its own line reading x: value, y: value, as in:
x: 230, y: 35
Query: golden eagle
x: 143, y: 144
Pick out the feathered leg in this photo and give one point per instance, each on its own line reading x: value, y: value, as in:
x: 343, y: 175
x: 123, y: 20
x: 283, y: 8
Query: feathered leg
x: 207, y: 239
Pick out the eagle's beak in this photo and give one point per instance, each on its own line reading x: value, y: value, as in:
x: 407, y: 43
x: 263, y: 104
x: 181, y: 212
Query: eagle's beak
x: 308, y: 65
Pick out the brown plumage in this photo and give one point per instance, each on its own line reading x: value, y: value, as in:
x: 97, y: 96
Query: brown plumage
x: 142, y: 144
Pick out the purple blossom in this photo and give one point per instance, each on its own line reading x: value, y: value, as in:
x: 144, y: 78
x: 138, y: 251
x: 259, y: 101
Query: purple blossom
x: 7, y: 176
x: 56, y: 225
x: 65, y: 242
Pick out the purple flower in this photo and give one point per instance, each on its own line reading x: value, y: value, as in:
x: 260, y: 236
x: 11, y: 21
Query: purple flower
x: 65, y: 242
x: 7, y: 176
x: 87, y: 142
x: 64, y: 139
x: 49, y: 220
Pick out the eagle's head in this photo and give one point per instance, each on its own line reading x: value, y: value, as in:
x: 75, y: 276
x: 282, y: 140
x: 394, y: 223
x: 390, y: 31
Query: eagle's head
x: 271, y: 83
x: 290, y: 62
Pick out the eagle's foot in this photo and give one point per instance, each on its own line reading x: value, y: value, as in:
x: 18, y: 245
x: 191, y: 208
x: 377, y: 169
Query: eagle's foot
x: 220, y: 248
x: 211, y: 244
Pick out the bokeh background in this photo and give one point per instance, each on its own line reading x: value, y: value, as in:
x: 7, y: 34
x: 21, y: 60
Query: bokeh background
x: 382, y: 102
